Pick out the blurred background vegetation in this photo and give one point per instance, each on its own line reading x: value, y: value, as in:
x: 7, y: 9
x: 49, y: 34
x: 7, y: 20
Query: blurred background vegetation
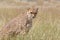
x: 46, y: 26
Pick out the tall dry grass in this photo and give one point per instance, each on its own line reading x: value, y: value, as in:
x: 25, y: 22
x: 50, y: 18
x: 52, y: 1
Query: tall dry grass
x: 46, y: 26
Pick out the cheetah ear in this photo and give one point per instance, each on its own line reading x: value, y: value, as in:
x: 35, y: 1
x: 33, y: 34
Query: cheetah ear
x: 28, y: 8
x: 36, y: 9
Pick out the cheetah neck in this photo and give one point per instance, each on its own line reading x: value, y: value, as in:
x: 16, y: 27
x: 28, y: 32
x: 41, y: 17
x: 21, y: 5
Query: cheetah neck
x: 29, y: 16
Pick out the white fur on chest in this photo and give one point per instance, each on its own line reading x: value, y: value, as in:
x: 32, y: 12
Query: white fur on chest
x: 29, y: 15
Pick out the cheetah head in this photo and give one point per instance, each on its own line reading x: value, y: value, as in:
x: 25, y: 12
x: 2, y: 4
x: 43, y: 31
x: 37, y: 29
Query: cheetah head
x: 32, y: 12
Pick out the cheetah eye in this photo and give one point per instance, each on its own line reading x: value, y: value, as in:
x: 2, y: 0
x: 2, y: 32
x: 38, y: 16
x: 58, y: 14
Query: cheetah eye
x: 31, y: 12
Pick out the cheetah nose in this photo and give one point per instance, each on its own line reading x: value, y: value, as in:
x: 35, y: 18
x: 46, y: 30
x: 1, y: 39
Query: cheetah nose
x: 33, y: 16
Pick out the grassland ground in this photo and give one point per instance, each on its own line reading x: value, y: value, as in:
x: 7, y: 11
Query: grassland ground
x: 46, y: 25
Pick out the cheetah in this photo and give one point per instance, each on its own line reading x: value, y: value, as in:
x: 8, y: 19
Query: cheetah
x: 20, y: 24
